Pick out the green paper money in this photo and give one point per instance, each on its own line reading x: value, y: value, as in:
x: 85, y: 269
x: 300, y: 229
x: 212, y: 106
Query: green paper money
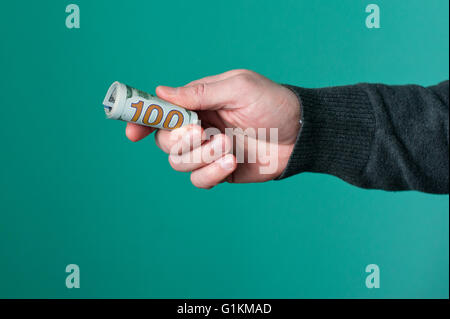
x: 128, y: 104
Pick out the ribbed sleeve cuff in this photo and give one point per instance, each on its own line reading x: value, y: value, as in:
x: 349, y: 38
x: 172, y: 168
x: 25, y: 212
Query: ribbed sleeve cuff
x: 337, y: 129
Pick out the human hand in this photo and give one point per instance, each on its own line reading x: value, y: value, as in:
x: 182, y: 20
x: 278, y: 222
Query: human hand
x: 241, y: 100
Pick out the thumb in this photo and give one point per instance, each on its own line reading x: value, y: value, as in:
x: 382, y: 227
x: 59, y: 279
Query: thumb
x: 200, y: 96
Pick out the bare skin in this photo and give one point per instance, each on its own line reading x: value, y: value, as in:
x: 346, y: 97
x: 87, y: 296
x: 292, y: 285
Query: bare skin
x: 234, y: 99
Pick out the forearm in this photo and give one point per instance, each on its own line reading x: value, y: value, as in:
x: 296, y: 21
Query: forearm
x: 375, y: 136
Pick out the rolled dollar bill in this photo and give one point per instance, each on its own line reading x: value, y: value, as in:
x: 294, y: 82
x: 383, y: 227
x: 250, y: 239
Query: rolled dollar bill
x: 125, y: 103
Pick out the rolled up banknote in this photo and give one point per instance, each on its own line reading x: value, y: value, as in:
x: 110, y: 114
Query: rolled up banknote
x: 130, y: 105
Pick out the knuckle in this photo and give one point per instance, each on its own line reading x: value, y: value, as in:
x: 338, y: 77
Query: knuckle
x: 197, y: 182
x: 192, y: 83
x: 199, y: 92
x: 179, y: 164
x: 244, y: 71
x: 173, y: 163
x: 199, y: 89
x: 206, y: 177
x: 245, y: 79
x: 163, y: 147
x: 164, y: 143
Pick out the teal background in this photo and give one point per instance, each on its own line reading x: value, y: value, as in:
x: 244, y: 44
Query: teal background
x: 73, y: 189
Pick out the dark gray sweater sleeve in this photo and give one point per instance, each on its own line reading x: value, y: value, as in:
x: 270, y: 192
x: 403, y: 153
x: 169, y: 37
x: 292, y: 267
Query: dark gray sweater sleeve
x: 375, y: 136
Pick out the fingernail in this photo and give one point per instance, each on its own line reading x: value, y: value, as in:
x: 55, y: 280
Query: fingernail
x: 227, y: 163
